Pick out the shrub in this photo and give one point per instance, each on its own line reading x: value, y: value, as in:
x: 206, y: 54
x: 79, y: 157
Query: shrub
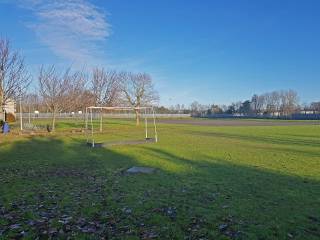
x: 10, y: 117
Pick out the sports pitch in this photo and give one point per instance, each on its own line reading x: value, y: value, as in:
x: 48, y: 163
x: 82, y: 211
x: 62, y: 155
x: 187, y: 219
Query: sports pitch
x: 213, y: 180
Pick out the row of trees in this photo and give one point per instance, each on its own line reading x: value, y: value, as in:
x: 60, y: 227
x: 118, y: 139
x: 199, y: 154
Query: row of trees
x: 71, y: 90
x: 280, y: 102
x: 276, y: 103
x: 76, y: 90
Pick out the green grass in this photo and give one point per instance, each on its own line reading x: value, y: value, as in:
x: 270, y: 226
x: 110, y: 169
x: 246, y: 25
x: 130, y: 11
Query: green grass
x: 211, y: 183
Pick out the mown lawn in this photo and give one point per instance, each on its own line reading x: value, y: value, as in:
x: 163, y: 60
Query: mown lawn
x: 211, y: 183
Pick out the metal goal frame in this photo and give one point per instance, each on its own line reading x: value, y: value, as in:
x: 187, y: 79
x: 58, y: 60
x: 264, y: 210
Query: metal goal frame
x: 145, y: 110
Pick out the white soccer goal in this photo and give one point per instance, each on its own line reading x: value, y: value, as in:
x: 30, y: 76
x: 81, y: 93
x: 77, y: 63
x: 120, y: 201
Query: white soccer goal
x: 93, y: 113
x: 29, y: 119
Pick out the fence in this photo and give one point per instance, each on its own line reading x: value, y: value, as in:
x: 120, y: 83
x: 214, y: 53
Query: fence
x: 297, y: 116
x: 96, y: 115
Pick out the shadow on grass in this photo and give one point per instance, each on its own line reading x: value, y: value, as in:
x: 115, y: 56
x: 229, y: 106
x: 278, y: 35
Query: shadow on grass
x: 76, y: 123
x: 52, y: 188
x: 265, y: 204
x: 261, y: 139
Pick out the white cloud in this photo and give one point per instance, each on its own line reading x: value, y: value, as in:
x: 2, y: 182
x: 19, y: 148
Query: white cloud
x: 72, y: 29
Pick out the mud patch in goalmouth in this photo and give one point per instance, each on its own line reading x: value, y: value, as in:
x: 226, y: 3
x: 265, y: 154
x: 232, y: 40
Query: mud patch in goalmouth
x: 146, y: 170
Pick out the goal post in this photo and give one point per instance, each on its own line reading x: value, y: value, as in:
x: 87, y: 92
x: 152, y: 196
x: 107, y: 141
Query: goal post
x: 95, y: 112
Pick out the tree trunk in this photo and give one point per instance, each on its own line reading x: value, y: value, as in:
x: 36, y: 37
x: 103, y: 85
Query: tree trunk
x: 2, y: 104
x: 53, y: 120
x: 137, y: 117
x: 101, y: 121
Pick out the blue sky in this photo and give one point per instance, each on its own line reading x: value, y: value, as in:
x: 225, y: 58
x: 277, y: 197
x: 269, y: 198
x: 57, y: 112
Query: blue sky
x: 209, y: 51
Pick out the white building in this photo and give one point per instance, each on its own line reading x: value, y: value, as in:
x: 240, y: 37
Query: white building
x: 10, y: 106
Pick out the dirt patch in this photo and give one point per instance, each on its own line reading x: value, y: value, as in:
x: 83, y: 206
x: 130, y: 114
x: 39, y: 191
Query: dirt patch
x: 141, y: 170
x: 117, y: 143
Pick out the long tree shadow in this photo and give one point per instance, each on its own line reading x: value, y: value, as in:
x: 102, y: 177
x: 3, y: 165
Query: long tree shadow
x: 262, y: 203
x: 56, y: 189
x: 53, y: 189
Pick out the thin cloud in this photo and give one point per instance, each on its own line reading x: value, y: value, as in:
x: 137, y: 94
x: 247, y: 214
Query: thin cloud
x: 72, y: 29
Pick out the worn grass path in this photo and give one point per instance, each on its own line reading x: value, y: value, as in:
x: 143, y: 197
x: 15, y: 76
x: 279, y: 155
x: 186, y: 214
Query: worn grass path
x: 236, y: 182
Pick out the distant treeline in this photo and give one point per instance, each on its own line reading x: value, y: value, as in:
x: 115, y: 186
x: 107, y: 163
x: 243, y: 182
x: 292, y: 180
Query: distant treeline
x: 277, y: 104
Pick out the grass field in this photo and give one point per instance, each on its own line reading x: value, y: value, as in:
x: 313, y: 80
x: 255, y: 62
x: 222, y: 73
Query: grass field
x: 212, y: 182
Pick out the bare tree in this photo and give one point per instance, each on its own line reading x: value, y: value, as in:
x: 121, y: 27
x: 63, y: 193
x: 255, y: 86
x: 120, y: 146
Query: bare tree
x: 195, y: 108
x: 31, y: 102
x: 289, y: 102
x: 281, y: 102
x: 257, y: 103
x: 272, y: 102
x: 305, y: 107
x: 88, y: 99
x: 14, y: 78
x: 276, y: 101
x: 76, y: 91
x: 63, y: 92
x: 53, y: 89
x: 105, y: 86
x: 237, y: 106
x: 137, y: 90
x: 315, y: 107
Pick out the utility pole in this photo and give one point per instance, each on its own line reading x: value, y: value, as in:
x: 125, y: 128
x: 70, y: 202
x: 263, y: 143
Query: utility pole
x: 20, y: 106
x: 2, y: 91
